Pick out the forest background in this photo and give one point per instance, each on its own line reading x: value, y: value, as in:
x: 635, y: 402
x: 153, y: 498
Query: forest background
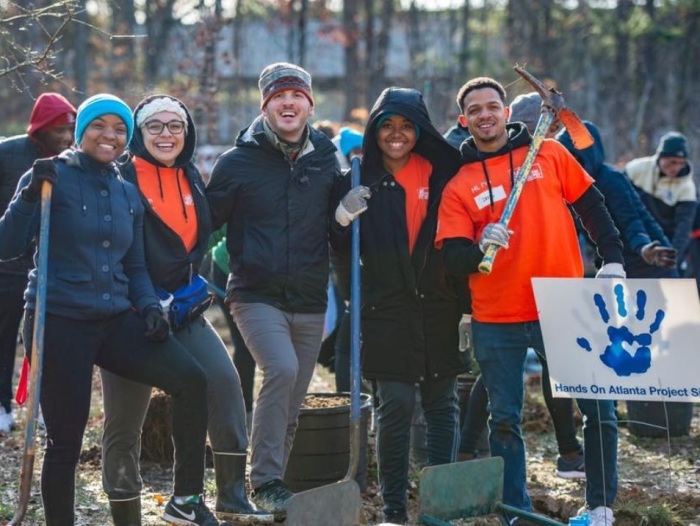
x: 630, y: 66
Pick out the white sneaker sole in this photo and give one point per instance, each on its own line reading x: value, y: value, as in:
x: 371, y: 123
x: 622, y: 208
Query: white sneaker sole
x: 571, y: 475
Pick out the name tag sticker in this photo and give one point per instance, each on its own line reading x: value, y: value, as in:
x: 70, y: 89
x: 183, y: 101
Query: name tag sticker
x: 483, y: 199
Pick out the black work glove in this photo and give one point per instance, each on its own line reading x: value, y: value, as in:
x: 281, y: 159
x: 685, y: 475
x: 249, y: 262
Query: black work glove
x: 157, y: 327
x: 42, y: 170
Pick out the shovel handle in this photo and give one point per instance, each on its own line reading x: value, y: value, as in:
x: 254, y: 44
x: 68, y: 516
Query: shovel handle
x: 34, y: 396
x: 355, y: 301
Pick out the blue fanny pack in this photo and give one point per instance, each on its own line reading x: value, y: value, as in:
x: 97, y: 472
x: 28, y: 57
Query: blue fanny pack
x: 186, y: 303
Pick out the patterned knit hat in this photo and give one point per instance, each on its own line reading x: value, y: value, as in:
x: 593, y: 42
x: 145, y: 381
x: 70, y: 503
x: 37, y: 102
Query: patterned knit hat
x: 673, y: 144
x: 283, y: 76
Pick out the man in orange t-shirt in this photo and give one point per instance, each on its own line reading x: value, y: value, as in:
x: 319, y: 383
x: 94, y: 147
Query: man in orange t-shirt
x: 540, y: 241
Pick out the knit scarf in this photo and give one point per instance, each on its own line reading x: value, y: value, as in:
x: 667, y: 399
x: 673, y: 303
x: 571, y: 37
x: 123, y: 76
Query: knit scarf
x: 289, y: 149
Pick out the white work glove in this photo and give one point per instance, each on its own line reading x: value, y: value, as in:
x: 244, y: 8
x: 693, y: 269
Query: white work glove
x: 494, y: 234
x: 352, y: 205
x: 465, y: 333
x: 611, y: 270
x: 656, y: 255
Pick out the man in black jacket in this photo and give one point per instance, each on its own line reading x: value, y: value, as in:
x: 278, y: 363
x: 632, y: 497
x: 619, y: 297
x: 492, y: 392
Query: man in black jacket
x: 50, y: 131
x: 276, y: 191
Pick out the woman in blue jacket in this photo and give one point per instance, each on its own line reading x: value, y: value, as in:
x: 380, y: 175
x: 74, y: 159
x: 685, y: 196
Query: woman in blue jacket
x: 101, y: 308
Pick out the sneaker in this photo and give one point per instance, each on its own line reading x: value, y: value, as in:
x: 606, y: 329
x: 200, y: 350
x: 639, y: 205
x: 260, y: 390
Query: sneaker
x: 601, y: 516
x: 395, y: 517
x: 571, y: 469
x: 193, y: 513
x: 7, y: 421
x: 274, y: 497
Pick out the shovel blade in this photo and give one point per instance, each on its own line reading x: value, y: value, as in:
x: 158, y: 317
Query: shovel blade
x: 461, y: 490
x: 338, y: 504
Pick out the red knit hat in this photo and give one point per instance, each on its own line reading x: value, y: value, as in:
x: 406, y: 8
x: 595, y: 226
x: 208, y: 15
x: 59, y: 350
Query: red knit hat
x: 50, y: 110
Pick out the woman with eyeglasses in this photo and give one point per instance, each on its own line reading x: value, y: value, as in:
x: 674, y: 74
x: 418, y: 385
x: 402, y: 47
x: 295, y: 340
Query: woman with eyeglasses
x: 177, y: 226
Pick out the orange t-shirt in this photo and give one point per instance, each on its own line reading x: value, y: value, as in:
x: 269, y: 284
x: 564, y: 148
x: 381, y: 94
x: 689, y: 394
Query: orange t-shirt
x: 544, y: 241
x: 414, y: 178
x: 169, y: 194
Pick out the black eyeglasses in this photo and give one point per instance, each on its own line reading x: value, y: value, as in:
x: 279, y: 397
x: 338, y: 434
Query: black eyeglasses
x: 156, y: 127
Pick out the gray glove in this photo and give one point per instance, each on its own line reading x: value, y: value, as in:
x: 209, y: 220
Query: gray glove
x: 352, y: 205
x: 611, y: 270
x: 494, y: 234
x: 656, y: 255
x: 465, y: 333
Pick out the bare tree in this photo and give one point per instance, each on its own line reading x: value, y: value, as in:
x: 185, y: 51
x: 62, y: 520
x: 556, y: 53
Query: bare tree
x: 159, y: 21
x: 123, y: 22
x: 352, y: 59
x: 377, y: 79
x: 29, y: 37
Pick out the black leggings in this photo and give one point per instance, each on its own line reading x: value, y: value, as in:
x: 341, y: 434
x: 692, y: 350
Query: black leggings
x: 117, y: 344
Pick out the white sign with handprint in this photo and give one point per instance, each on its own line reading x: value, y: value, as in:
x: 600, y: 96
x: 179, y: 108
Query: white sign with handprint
x: 621, y: 339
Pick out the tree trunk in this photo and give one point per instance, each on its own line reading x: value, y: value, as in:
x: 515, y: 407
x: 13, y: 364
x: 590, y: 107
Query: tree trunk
x: 353, y: 80
x: 370, y: 50
x: 159, y: 22
x: 123, y: 24
x: 81, y: 55
x: 378, y: 78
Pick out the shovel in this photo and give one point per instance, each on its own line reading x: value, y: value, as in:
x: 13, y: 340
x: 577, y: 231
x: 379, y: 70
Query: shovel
x: 468, y: 489
x: 339, y: 504
x: 27, y: 469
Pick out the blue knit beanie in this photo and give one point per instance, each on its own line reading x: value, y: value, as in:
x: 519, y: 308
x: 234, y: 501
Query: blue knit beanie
x: 102, y: 104
x: 349, y: 140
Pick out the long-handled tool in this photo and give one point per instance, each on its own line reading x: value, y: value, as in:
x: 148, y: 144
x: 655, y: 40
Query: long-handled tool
x: 339, y: 504
x: 27, y: 468
x: 552, y: 106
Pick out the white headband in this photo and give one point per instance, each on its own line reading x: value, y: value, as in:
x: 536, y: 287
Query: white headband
x: 158, y: 105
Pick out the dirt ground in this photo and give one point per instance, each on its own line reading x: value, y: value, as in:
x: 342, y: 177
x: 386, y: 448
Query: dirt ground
x: 659, y: 479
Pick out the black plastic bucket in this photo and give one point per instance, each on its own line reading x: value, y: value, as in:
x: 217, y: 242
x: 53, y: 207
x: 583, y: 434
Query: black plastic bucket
x: 321, y: 450
x: 680, y: 415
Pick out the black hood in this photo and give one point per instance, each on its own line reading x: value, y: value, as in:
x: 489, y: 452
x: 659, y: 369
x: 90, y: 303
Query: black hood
x: 138, y: 148
x: 430, y: 144
x: 591, y: 158
x: 517, y: 136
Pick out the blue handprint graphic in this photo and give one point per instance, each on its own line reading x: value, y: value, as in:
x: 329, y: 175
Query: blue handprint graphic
x: 616, y: 356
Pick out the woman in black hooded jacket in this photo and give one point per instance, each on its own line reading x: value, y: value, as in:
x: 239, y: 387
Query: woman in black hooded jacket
x: 410, y: 308
x: 177, y: 225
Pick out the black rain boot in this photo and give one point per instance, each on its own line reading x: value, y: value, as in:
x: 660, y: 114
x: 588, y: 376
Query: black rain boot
x: 126, y: 512
x: 232, y: 502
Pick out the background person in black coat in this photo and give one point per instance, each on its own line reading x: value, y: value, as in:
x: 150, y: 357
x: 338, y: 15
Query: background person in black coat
x: 50, y: 131
x: 410, y: 310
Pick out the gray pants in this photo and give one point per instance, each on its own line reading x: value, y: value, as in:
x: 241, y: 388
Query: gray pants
x: 126, y: 404
x: 285, y: 347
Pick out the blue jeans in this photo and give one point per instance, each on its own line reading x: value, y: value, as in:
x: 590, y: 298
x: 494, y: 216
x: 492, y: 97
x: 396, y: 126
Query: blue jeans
x: 396, y: 403
x: 500, y: 349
